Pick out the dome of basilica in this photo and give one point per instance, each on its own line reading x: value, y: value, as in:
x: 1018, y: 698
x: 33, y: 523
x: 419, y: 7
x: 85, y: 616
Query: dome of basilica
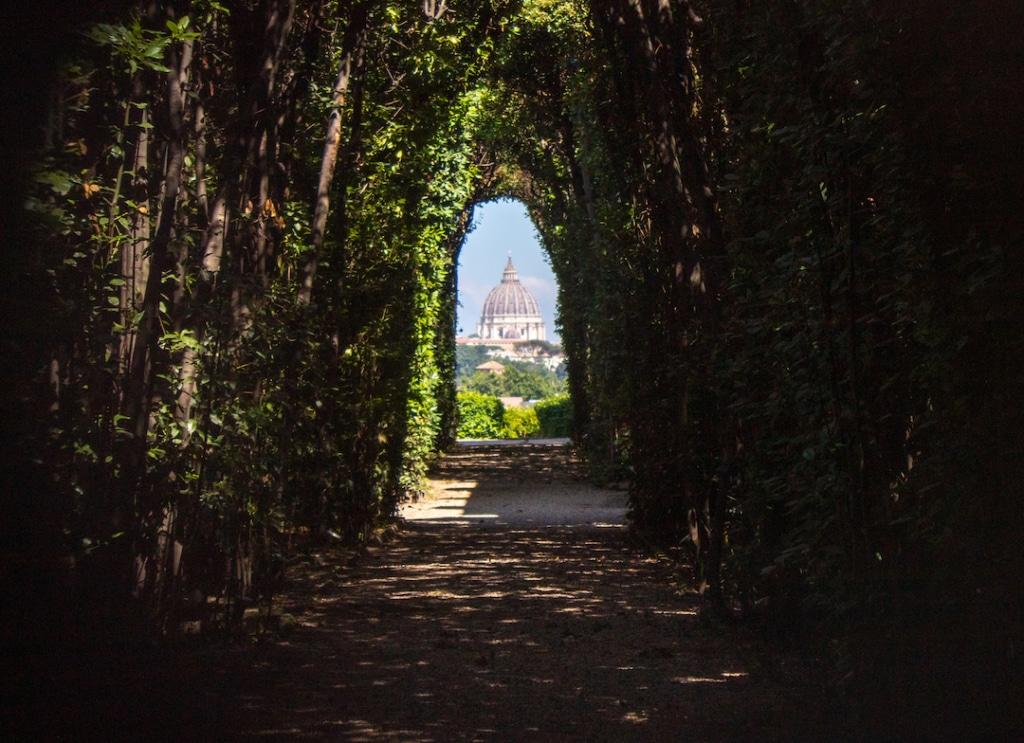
x: 510, y: 312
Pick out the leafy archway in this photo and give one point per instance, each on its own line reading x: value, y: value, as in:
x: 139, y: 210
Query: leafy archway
x: 779, y: 284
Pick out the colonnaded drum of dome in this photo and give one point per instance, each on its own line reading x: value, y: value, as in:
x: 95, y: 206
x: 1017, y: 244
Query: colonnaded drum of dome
x: 510, y: 312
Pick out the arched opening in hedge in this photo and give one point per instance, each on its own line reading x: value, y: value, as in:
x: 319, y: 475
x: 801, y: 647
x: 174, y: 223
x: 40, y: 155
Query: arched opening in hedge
x: 507, y: 343
x: 780, y: 278
x: 502, y: 230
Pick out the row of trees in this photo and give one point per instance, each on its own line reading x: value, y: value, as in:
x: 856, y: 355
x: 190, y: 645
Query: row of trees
x: 788, y: 252
x: 530, y: 381
x: 240, y: 238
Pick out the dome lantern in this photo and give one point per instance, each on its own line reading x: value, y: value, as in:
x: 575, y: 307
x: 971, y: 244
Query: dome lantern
x: 510, y: 275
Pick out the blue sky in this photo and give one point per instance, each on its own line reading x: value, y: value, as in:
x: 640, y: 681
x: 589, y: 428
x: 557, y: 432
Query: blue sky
x: 500, y: 227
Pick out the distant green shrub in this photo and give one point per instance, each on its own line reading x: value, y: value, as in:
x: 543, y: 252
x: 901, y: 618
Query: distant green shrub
x: 554, y: 416
x: 519, y: 423
x: 480, y: 416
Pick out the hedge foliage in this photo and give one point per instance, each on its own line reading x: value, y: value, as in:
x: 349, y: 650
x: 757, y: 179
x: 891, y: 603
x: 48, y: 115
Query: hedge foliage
x: 519, y: 423
x: 480, y: 416
x: 484, y: 417
x: 554, y: 416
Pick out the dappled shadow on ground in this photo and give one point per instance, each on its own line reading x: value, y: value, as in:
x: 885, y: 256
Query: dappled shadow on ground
x: 462, y: 633
x: 456, y: 631
x: 508, y: 465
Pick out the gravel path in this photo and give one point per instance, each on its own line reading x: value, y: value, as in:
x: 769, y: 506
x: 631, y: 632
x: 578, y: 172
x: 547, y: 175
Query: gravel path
x: 509, y: 608
x: 496, y: 485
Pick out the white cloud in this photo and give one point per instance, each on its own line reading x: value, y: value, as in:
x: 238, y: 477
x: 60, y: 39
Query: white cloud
x: 543, y: 290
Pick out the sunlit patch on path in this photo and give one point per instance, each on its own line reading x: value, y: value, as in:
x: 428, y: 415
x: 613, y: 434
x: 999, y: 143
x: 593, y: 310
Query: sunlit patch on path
x: 511, y: 608
x: 515, y: 487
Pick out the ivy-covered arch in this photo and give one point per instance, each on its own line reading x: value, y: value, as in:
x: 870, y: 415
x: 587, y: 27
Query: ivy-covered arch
x: 781, y: 270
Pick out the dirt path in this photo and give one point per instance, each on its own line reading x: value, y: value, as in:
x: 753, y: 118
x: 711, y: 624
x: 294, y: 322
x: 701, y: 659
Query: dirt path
x: 526, y: 485
x: 480, y: 622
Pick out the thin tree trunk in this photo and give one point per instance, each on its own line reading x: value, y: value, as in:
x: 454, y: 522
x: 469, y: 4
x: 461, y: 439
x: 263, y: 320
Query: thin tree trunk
x: 142, y: 372
x: 202, y: 200
x: 332, y: 144
x: 135, y: 250
x: 213, y: 247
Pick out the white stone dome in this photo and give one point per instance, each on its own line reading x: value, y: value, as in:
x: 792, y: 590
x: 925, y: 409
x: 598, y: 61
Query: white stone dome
x: 510, y: 312
x: 510, y: 297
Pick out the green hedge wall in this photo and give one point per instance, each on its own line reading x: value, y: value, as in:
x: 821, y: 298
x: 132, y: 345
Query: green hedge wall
x: 480, y: 416
x: 554, y: 416
x: 519, y: 423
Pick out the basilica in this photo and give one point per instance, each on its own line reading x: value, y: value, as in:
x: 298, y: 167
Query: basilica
x: 510, y: 312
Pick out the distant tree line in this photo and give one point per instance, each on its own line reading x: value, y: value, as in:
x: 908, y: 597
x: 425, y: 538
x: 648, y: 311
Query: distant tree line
x: 526, y: 379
